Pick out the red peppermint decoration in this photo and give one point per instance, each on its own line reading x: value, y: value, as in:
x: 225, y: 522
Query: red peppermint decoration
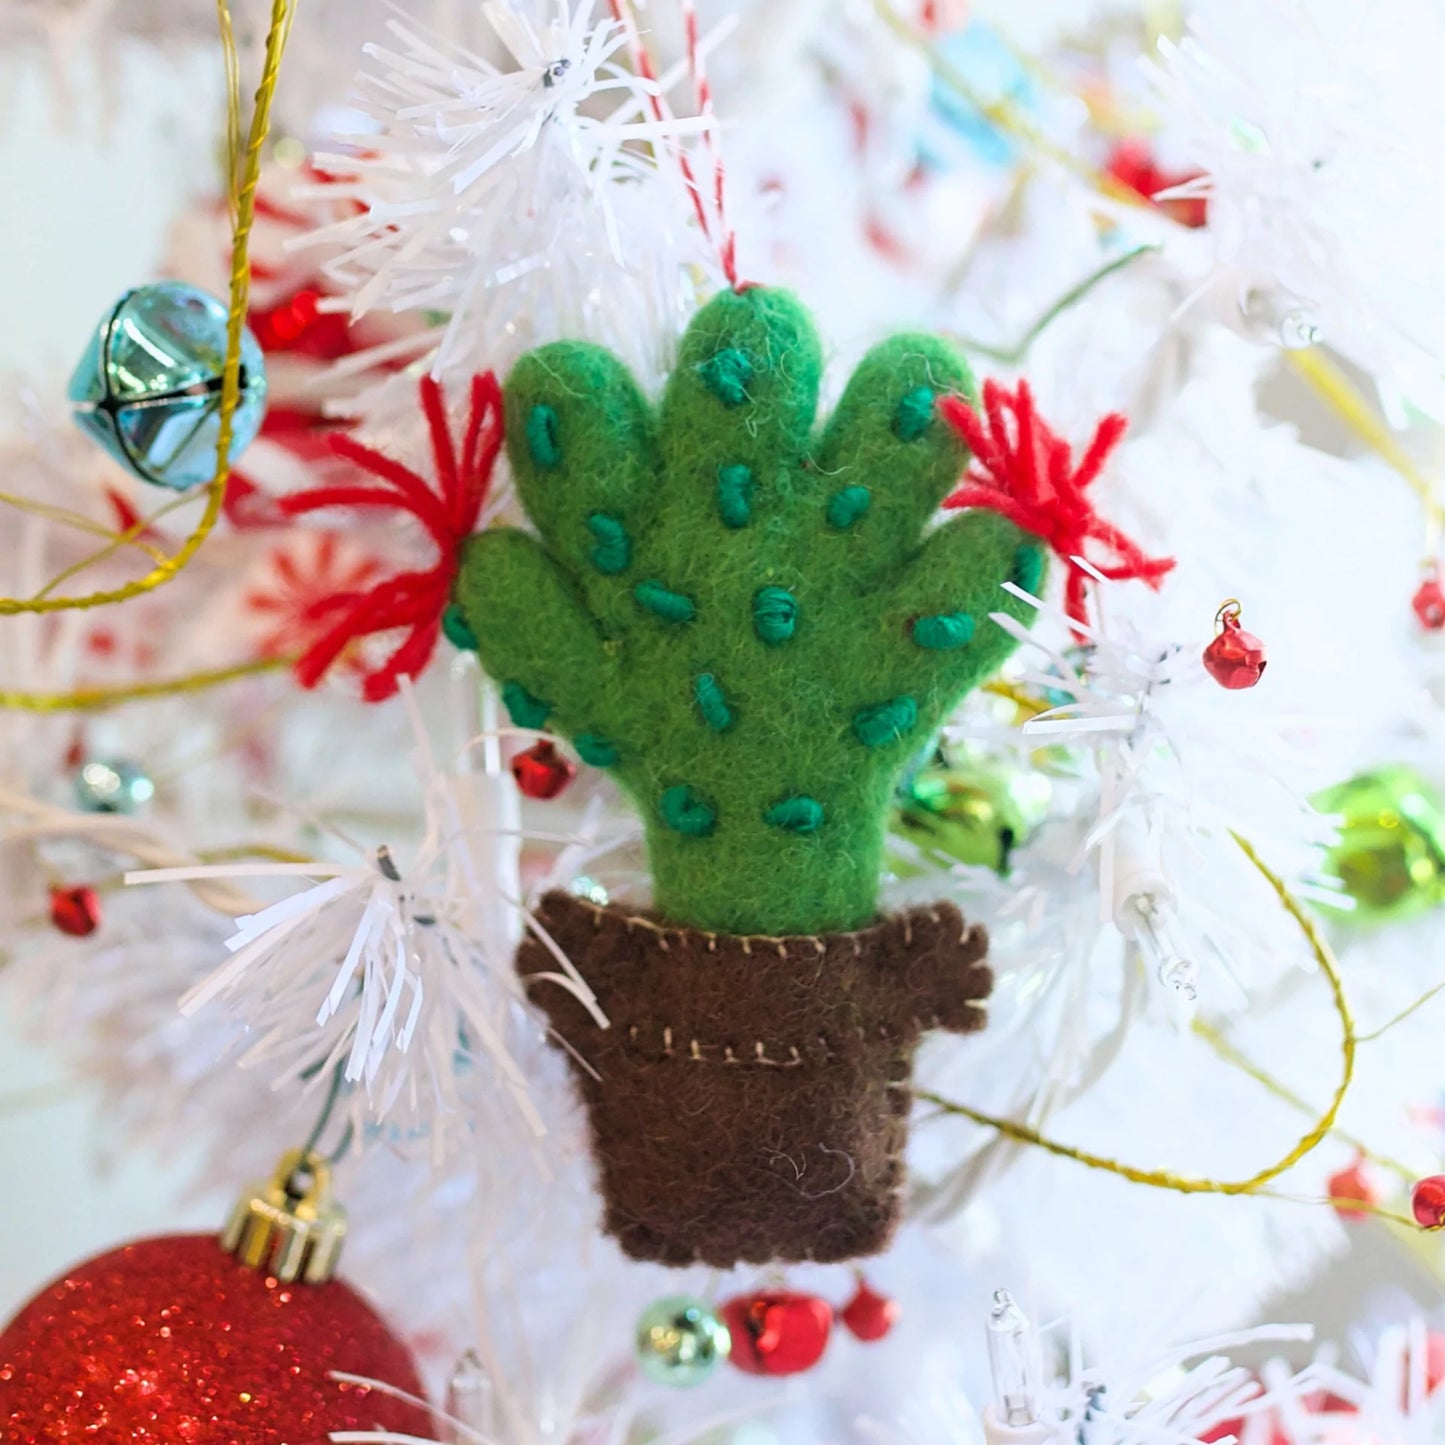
x: 412, y: 600
x: 127, y: 519
x: 1022, y: 470
x: 305, y: 436
x: 303, y: 574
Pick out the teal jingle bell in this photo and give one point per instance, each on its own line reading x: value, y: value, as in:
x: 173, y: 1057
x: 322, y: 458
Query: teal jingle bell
x: 112, y: 785
x: 148, y: 388
x: 681, y: 1341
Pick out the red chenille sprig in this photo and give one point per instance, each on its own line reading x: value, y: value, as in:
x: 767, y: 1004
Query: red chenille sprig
x: 1024, y: 471
x: 411, y: 600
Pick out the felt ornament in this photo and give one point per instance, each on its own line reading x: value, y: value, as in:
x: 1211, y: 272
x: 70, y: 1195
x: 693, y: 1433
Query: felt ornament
x: 737, y: 616
x: 749, y: 1101
x: 744, y: 619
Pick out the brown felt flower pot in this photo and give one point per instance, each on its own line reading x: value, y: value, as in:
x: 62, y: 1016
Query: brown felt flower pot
x: 749, y: 1101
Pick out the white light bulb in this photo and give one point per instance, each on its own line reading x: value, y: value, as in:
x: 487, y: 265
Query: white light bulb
x: 1155, y: 937
x: 1016, y: 1362
x: 471, y: 1402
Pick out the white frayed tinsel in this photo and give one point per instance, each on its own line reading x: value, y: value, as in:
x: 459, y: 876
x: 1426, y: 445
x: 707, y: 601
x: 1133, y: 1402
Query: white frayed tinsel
x: 393, y: 975
x: 1320, y: 133
x: 524, y: 202
x: 1183, y: 766
x: 1165, y: 1397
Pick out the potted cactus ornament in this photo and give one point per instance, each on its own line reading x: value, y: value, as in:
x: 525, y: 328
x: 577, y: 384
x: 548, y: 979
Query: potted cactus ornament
x: 752, y: 623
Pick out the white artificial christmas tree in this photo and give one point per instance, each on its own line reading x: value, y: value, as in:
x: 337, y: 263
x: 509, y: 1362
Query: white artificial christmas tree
x: 272, y: 837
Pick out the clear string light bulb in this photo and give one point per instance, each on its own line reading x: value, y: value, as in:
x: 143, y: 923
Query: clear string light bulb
x: 471, y: 1401
x: 1015, y: 1416
x: 1155, y: 936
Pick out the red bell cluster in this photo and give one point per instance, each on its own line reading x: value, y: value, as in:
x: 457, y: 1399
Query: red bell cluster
x: 75, y: 911
x: 778, y: 1332
x: 1235, y: 659
x: 542, y: 772
x: 1427, y: 1200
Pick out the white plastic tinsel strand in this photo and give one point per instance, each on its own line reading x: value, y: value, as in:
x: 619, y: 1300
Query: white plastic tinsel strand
x: 385, y: 971
x: 492, y: 196
x: 1319, y: 133
x: 1172, y: 1398
x: 1182, y: 766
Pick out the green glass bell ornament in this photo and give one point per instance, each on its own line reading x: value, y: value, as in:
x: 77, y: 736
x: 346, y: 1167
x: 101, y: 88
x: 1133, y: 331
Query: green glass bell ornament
x: 1390, y: 857
x: 148, y: 388
x: 970, y: 812
x: 681, y: 1341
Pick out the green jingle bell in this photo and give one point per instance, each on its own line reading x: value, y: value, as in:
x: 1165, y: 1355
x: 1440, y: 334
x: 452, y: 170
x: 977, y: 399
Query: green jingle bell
x: 1390, y: 857
x: 148, y: 388
x: 969, y: 812
x: 681, y: 1341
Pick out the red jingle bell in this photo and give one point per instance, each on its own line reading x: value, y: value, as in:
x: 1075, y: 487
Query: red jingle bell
x: 1351, y: 1188
x: 1235, y: 659
x: 542, y: 772
x: 777, y: 1333
x: 75, y: 911
x: 869, y: 1315
x: 1429, y: 602
x: 1427, y: 1199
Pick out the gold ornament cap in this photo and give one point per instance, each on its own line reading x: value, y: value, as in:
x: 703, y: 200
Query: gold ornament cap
x: 289, y: 1226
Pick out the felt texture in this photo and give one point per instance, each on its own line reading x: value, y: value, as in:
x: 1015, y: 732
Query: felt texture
x: 740, y: 1113
x: 745, y: 611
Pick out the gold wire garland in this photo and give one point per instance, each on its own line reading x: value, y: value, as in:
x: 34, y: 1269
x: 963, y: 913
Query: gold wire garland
x: 1343, y: 398
x: 1190, y: 1184
x: 91, y: 699
x: 245, y: 176
x: 1236, y: 1058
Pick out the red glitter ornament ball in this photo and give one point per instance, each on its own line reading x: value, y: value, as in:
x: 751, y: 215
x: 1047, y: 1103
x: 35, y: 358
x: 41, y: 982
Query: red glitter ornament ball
x: 777, y: 1333
x: 1427, y: 1199
x: 1235, y: 659
x: 75, y: 911
x: 171, y: 1340
x: 542, y: 772
x: 1429, y: 603
x: 869, y: 1315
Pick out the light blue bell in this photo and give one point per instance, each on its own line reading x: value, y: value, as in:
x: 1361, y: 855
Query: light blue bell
x: 148, y: 388
x: 681, y: 1341
x: 112, y: 785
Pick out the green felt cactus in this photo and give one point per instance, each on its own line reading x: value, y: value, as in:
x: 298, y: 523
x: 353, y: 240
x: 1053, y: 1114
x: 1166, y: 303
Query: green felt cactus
x: 745, y: 619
